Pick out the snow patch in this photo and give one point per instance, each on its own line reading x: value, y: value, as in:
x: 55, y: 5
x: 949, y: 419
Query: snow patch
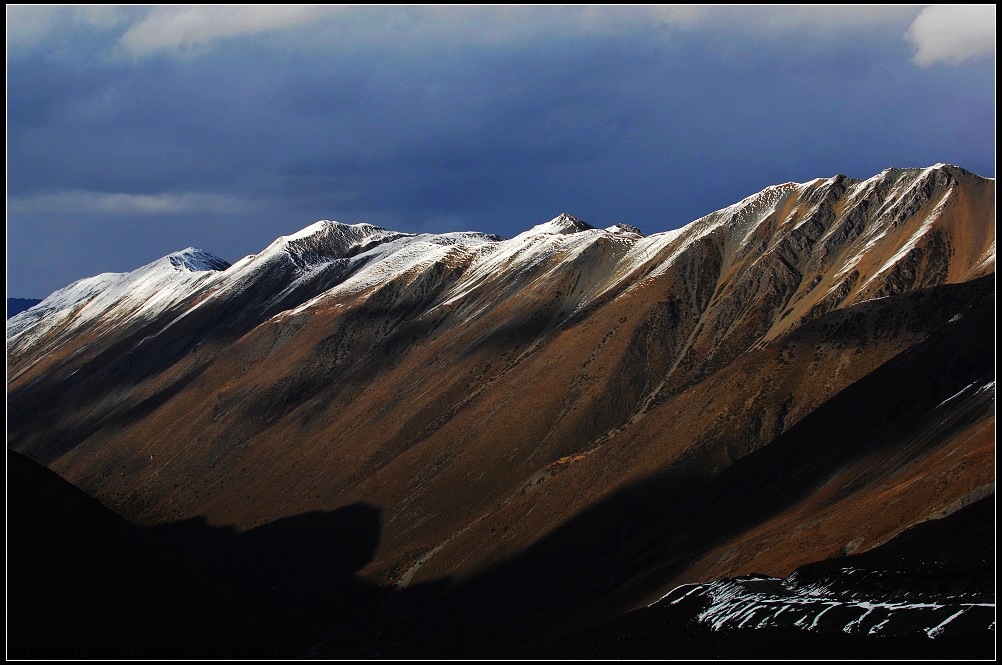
x: 770, y: 602
x: 988, y: 386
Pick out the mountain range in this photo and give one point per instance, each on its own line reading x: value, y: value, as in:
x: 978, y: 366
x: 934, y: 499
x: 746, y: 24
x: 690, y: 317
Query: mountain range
x: 531, y: 436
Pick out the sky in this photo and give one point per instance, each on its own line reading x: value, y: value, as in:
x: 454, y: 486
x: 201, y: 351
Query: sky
x: 133, y: 132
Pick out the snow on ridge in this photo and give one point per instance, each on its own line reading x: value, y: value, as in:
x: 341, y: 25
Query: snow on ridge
x: 759, y: 200
x: 144, y: 291
x: 912, y: 170
x: 902, y: 183
x: 324, y: 241
x: 877, y: 232
x: 339, y: 237
x: 115, y: 285
x: 307, y: 231
x: 321, y: 243
x: 909, y: 175
x: 553, y: 244
x: 741, y: 218
x: 395, y: 258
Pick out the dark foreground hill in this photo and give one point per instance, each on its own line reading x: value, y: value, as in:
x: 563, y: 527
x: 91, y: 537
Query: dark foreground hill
x: 82, y: 582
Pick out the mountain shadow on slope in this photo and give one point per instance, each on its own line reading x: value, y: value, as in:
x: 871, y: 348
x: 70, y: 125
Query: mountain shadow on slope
x: 84, y: 583
x: 297, y: 564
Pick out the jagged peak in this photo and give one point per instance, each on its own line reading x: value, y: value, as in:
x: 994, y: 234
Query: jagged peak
x: 952, y: 169
x: 620, y: 228
x: 917, y: 171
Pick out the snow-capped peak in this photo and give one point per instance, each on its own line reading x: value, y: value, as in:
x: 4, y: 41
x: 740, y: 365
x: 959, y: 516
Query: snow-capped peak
x: 327, y: 227
x: 562, y: 224
x: 328, y: 240
x: 193, y: 259
x: 117, y: 298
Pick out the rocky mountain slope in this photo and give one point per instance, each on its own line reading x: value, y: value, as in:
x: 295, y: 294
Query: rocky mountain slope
x: 590, y: 414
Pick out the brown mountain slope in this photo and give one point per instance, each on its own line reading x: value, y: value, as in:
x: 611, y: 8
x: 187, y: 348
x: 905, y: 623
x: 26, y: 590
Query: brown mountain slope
x: 881, y: 452
x: 490, y: 397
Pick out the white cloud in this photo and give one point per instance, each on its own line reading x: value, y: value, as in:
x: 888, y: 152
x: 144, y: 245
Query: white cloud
x: 81, y: 201
x: 181, y: 29
x: 952, y: 33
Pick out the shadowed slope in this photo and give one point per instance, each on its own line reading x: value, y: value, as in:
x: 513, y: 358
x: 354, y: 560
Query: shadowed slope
x: 83, y: 583
x: 952, y: 557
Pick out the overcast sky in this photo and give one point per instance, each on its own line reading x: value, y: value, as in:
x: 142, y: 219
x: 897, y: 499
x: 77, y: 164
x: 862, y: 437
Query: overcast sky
x: 135, y: 132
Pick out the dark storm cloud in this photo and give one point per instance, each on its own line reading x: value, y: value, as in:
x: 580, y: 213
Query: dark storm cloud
x: 135, y: 133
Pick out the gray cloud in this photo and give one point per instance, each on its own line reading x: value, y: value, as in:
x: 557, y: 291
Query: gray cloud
x: 84, y: 202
